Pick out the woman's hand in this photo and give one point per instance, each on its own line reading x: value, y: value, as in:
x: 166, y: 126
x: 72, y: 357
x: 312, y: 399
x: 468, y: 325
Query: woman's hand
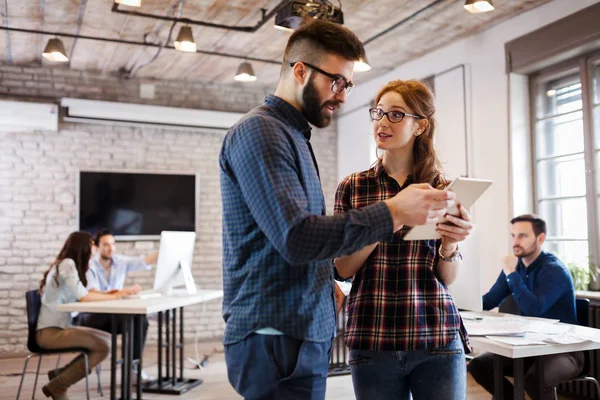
x: 455, y: 230
x: 121, y: 293
x: 133, y: 289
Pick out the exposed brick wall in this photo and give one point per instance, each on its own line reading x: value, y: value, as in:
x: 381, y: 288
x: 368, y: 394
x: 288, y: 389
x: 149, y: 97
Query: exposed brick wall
x: 39, y: 169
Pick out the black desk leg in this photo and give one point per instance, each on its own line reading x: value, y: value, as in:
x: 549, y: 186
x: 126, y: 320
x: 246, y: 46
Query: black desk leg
x: 498, y: 377
x: 519, y: 375
x: 174, y: 349
x: 181, y: 344
x: 539, y: 370
x: 160, y: 346
x: 123, y: 356
x: 113, y: 359
x: 167, y: 353
x: 139, y: 321
x: 169, y: 383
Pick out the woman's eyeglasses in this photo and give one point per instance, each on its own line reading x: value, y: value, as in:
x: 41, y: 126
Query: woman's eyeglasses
x: 393, y: 116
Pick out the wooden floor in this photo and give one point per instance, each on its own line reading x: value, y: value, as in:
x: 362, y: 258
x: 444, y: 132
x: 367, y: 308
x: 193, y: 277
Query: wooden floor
x: 215, y: 386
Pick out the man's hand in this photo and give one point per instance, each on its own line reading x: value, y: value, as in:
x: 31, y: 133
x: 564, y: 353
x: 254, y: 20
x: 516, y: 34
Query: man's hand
x: 509, y: 264
x: 419, y: 204
x: 339, y: 297
x: 455, y: 229
x: 151, y: 258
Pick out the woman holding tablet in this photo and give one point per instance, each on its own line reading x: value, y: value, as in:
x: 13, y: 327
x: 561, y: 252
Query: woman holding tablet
x: 65, y: 282
x: 404, y: 331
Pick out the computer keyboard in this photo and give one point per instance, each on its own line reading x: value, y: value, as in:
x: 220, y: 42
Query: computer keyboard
x: 145, y: 294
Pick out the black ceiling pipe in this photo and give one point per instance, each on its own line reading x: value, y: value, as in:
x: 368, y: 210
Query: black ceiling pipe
x: 136, y: 43
x: 248, y: 29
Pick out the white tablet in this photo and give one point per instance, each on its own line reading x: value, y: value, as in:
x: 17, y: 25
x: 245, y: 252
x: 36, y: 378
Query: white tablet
x: 467, y: 192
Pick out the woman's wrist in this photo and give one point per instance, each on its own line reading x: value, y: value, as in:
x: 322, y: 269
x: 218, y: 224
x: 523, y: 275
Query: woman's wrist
x: 449, y: 255
x: 448, y: 249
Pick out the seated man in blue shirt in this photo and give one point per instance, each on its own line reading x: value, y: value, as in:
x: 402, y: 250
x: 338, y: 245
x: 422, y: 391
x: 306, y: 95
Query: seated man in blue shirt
x: 107, y: 273
x: 542, y: 287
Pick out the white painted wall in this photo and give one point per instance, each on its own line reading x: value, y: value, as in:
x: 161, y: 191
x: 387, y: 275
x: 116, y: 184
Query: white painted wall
x: 488, y: 121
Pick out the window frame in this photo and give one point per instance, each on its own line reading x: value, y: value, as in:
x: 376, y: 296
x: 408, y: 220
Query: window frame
x: 583, y: 66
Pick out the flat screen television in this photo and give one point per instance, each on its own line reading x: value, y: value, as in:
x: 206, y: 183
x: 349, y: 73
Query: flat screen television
x: 134, y: 205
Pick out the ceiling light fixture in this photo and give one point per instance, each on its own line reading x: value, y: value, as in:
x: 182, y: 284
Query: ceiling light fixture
x: 362, y: 65
x: 478, y: 6
x: 185, y: 40
x: 245, y: 73
x: 131, y: 3
x: 292, y: 15
x: 55, y: 51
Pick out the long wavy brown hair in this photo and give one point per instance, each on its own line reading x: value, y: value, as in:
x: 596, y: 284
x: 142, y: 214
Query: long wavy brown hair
x: 417, y: 95
x: 78, y: 247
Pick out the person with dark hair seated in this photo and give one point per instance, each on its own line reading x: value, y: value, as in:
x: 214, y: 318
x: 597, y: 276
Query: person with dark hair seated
x: 542, y: 287
x: 107, y: 274
x: 64, y: 282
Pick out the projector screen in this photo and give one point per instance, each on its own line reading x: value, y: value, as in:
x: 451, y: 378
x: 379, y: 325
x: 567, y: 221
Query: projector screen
x: 136, y: 204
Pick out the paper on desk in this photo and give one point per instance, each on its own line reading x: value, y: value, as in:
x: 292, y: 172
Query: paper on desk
x: 537, y: 338
x: 564, y: 339
x: 549, y: 329
x: 592, y: 337
x: 470, y: 315
x: 487, y: 327
x: 517, y: 340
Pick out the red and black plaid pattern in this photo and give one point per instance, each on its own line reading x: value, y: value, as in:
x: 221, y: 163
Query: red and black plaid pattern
x: 396, y: 302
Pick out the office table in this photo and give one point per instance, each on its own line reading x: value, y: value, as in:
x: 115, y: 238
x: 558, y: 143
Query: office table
x: 518, y: 353
x: 130, y: 312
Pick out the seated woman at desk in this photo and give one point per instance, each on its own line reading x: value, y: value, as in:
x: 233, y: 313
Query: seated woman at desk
x: 64, y: 282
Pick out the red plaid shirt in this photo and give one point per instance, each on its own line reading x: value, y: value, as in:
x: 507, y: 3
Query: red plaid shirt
x: 396, y: 302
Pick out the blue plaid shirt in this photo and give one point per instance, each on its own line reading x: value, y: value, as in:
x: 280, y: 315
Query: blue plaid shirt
x: 277, y: 242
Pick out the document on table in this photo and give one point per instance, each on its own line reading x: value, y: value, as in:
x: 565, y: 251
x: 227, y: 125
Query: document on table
x: 537, y: 338
x: 549, y: 329
x: 471, y: 315
x: 528, y: 339
x: 489, y: 327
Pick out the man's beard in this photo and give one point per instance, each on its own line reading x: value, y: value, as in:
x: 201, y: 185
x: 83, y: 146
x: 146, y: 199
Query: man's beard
x: 313, y: 109
x: 525, y: 252
x: 104, y: 258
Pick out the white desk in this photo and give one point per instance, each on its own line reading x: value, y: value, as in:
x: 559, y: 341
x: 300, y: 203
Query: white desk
x: 130, y: 311
x: 142, y: 306
x: 517, y: 353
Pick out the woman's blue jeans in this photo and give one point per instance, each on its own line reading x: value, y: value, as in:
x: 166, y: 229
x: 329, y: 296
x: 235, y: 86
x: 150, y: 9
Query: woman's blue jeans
x: 433, y: 374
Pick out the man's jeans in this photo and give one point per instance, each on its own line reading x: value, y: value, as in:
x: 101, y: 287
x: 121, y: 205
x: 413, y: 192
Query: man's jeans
x: 278, y: 367
x: 436, y: 374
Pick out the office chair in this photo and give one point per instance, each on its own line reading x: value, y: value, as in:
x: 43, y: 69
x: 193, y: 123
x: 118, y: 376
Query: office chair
x: 509, y: 306
x: 34, y: 303
x: 583, y: 315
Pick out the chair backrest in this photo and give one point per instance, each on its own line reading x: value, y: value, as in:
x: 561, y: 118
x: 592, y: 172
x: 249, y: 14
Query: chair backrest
x: 583, y: 318
x: 509, y: 306
x: 583, y: 311
x: 34, y: 303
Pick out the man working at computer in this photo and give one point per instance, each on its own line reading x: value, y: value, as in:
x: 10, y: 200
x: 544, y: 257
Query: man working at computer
x: 107, y: 273
x: 542, y: 287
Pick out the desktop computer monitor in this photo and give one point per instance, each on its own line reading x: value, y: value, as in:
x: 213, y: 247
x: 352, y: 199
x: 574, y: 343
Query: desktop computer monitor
x: 174, y: 264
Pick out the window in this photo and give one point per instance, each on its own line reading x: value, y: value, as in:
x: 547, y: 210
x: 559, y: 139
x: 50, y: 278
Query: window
x: 566, y: 137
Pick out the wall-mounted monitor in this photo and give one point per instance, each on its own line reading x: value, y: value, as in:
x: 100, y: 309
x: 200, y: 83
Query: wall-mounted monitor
x: 136, y: 205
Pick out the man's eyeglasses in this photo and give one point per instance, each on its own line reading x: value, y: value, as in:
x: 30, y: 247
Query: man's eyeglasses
x: 393, y: 116
x: 339, y: 82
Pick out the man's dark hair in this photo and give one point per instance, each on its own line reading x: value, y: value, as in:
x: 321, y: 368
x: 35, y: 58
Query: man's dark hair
x: 538, y: 224
x: 99, y: 234
x: 316, y: 38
